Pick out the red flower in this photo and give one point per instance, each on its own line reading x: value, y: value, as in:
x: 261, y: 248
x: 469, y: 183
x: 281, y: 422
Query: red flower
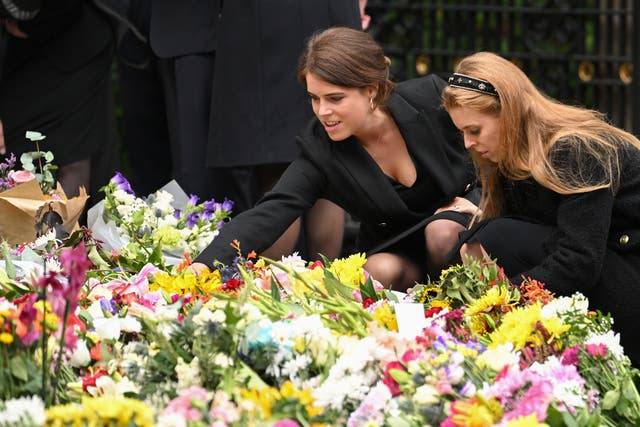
x: 388, y: 380
x: 90, y: 380
x: 316, y: 264
x: 367, y: 302
x: 432, y: 311
x: 232, y: 285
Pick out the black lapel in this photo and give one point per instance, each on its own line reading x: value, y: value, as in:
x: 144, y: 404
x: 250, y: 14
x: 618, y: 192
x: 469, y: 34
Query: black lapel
x: 426, y: 143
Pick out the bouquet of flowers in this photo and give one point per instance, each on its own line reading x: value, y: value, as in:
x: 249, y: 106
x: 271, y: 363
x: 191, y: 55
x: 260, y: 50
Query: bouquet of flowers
x: 160, y: 228
x: 30, y: 202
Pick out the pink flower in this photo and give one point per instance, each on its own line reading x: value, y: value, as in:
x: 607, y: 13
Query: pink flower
x: 189, y: 403
x: 19, y: 177
x: 570, y: 356
x: 596, y: 350
x: 287, y: 422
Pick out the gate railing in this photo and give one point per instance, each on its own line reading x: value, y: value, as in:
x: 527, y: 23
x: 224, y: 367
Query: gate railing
x: 581, y: 52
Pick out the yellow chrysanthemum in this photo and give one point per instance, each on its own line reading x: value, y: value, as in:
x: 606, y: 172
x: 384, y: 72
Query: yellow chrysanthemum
x: 530, y: 420
x: 442, y: 303
x: 6, y: 338
x: 304, y: 396
x: 555, y: 328
x: 101, y: 411
x: 472, y: 414
x: 386, y: 317
x: 517, y: 327
x: 210, y: 281
x: 349, y: 270
x: 187, y: 283
x: 263, y: 399
x: 496, y: 297
x: 520, y: 327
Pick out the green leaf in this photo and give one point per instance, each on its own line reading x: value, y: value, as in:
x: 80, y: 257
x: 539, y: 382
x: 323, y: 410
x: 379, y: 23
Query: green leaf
x: 334, y: 287
x: 275, y: 292
x: 367, y: 290
x: 29, y: 255
x: 19, y: 368
x: 401, y: 377
x: 610, y: 399
x: 9, y: 267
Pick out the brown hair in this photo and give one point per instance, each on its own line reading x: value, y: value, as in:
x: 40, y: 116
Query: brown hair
x: 585, y: 147
x: 349, y: 58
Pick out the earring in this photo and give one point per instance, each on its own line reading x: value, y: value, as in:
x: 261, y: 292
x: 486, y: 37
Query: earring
x: 371, y: 104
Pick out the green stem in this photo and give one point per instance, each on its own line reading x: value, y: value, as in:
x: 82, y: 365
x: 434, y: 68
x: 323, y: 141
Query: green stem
x: 60, y: 351
x: 44, y: 343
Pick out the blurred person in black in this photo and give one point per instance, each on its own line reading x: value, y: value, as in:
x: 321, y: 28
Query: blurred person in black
x: 56, y: 80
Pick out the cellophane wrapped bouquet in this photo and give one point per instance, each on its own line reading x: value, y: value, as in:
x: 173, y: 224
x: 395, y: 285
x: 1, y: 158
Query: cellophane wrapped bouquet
x: 160, y: 228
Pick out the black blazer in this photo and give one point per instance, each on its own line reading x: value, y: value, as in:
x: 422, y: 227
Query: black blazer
x: 344, y: 173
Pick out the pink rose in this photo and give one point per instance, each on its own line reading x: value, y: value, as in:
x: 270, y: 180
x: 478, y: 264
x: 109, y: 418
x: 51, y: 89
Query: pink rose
x: 19, y: 177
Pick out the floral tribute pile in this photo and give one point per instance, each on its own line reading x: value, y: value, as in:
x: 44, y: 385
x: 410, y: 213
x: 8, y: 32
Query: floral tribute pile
x: 86, y: 339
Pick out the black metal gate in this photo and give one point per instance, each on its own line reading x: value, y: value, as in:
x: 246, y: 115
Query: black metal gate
x: 581, y: 52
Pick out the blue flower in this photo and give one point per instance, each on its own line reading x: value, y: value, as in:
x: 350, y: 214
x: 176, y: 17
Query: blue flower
x: 121, y: 182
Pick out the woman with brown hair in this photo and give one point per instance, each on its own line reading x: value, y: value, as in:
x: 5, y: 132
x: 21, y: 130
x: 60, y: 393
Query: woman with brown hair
x: 390, y: 156
x: 560, y: 189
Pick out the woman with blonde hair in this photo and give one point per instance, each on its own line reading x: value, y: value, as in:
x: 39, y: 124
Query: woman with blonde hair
x: 560, y: 189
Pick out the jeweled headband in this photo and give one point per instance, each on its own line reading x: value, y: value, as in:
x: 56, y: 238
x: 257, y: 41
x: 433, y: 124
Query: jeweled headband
x: 465, y: 82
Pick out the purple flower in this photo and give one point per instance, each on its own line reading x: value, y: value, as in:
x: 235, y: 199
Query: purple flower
x: 193, y: 199
x: 210, y: 205
x: 108, y: 306
x: 177, y: 213
x: 192, y: 219
x: 121, y: 182
x: 206, y: 215
x: 227, y: 205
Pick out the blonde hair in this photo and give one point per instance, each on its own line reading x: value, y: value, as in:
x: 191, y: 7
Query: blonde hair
x: 585, y: 146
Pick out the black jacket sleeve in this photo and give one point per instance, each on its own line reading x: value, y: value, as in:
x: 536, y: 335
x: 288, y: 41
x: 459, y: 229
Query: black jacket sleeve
x: 258, y: 228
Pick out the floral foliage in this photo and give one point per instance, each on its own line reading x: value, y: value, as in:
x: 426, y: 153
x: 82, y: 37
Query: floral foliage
x: 153, y: 226
x: 292, y: 343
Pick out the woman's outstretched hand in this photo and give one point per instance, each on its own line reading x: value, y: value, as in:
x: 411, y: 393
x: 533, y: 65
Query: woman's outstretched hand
x: 197, y: 268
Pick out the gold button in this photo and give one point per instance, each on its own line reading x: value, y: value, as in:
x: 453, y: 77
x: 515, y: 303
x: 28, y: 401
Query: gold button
x: 624, y: 239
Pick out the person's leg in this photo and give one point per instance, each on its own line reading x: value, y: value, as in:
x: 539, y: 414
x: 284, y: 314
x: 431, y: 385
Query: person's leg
x: 441, y: 237
x: 324, y: 226
x: 393, y: 270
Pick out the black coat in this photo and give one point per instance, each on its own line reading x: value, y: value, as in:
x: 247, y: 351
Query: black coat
x: 55, y: 81
x: 344, y: 173
x: 258, y: 105
x: 184, y: 27
x: 596, y: 248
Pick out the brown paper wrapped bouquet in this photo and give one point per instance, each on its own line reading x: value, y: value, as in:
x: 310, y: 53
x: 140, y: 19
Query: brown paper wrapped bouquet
x: 30, y: 204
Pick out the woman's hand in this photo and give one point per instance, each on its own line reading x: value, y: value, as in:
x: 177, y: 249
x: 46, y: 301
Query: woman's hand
x: 462, y: 205
x: 197, y: 268
x: 12, y: 28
